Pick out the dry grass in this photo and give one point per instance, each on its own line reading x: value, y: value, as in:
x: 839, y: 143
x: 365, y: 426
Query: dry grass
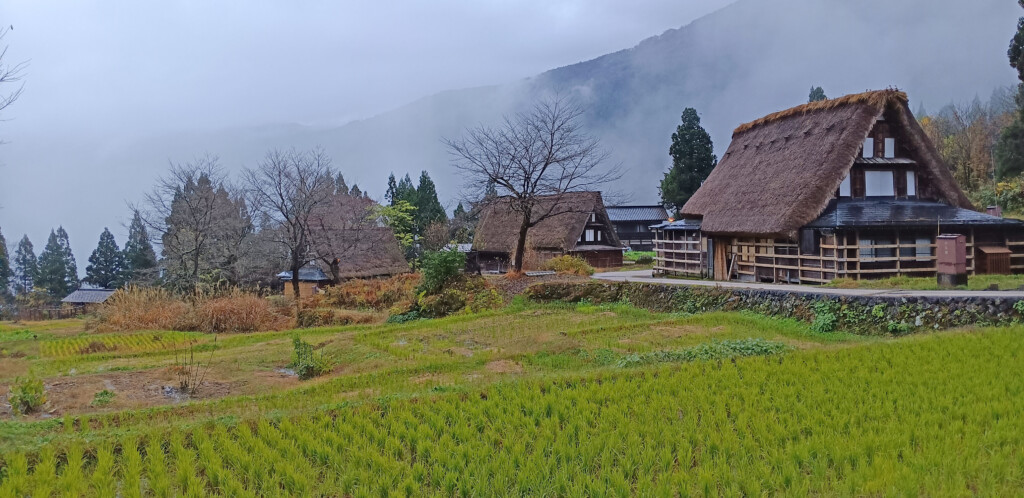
x: 375, y: 294
x: 150, y: 308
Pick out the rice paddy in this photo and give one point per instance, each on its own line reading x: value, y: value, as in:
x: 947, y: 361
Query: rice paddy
x: 553, y: 400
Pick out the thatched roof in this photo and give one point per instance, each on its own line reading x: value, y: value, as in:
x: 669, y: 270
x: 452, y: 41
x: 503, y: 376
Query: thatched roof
x: 780, y: 171
x: 373, y: 252
x: 498, y: 228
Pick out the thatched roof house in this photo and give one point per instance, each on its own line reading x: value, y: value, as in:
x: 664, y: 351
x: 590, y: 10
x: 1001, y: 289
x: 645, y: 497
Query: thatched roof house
x: 373, y: 252
x: 781, y: 171
x: 843, y: 188
x: 577, y: 223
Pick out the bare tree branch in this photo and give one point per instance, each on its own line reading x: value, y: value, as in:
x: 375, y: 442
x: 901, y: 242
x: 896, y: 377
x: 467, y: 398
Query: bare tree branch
x: 541, y: 153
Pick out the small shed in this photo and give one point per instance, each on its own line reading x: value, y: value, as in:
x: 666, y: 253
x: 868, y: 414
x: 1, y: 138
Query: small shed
x: 82, y: 298
x: 994, y: 260
x: 311, y: 280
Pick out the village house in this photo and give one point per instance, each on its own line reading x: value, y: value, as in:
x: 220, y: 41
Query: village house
x: 370, y: 252
x: 843, y: 188
x: 578, y: 225
x: 632, y: 224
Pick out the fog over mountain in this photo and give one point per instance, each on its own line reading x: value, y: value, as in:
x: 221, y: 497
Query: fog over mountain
x: 736, y: 64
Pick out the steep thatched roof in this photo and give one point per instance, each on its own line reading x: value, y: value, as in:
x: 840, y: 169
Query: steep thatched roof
x: 370, y: 252
x: 498, y: 228
x: 780, y: 171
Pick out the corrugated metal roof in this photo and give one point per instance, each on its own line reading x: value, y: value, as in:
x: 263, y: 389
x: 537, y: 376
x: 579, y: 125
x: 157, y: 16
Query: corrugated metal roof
x: 637, y: 213
x: 88, y: 296
x: 850, y: 213
x: 306, y: 275
x: 690, y: 224
x: 884, y: 160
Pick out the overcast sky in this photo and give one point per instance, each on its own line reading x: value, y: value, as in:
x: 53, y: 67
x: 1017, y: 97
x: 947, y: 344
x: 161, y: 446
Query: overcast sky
x: 134, y: 67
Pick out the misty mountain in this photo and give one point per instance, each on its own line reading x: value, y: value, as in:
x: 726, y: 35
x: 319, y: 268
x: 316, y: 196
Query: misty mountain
x: 746, y: 60
x: 734, y: 65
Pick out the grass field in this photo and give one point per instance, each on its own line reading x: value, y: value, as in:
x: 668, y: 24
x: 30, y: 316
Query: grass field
x: 537, y: 400
x: 974, y: 282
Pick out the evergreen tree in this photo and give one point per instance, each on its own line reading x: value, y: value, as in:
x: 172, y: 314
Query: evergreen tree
x: 817, y: 94
x: 428, y: 208
x: 5, y: 269
x: 340, y: 187
x: 405, y: 191
x: 139, y: 256
x: 355, y: 192
x: 693, y: 159
x: 57, y: 272
x: 25, y: 267
x: 459, y: 211
x: 106, y: 264
x: 389, y: 196
x: 1009, y: 150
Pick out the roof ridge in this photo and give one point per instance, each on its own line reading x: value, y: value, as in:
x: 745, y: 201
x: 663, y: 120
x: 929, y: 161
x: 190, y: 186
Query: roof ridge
x: 876, y: 98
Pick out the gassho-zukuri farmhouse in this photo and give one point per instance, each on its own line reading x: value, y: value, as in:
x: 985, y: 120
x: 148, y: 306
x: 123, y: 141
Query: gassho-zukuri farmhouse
x: 842, y: 188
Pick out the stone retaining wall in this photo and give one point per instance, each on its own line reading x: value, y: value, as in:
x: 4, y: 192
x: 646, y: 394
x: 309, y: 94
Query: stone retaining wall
x: 856, y: 314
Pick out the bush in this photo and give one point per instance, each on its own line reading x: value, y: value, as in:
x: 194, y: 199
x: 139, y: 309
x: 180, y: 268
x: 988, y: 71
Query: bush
x: 141, y: 308
x: 409, y: 316
x: 152, y: 308
x: 237, y: 312
x: 26, y: 395
x: 438, y: 269
x: 306, y: 362
x: 645, y: 260
x: 377, y: 294
x: 825, y: 318
x: 447, y: 302
x: 570, y: 265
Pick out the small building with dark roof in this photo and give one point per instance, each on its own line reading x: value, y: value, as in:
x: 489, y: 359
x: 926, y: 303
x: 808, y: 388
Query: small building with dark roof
x: 84, y: 298
x: 311, y: 280
x: 632, y: 224
x: 842, y: 188
x: 576, y: 224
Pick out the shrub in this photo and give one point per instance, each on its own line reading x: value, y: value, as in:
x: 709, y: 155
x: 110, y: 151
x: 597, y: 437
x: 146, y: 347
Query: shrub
x: 715, y: 350
x: 409, y: 316
x: 443, y: 304
x: 141, y: 308
x: 237, y: 312
x: 825, y: 319
x: 151, y: 308
x: 377, y: 294
x: 645, y: 260
x: 570, y: 265
x: 306, y: 362
x: 26, y: 395
x: 438, y: 269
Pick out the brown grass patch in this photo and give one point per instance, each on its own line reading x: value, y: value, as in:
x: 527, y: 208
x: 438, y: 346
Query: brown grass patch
x: 504, y: 366
x: 150, y: 308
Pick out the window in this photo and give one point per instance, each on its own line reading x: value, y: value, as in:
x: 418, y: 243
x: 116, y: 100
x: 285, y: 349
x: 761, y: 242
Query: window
x: 878, y: 183
x: 869, y: 147
x: 869, y: 249
x: 589, y: 235
x: 911, y: 183
x: 844, y: 188
x: 919, y: 247
x: 593, y: 217
x: 890, y: 147
x: 599, y: 236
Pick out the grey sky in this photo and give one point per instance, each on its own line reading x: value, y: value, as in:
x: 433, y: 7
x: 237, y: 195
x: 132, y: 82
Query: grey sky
x: 133, y: 67
x: 103, y: 74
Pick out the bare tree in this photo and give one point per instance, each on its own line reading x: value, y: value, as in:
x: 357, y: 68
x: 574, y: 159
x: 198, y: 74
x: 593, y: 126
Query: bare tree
x: 9, y: 73
x: 289, y: 188
x: 342, y: 226
x: 204, y: 223
x: 537, y: 155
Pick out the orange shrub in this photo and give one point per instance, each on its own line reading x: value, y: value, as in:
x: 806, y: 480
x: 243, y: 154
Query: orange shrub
x: 152, y: 308
x: 141, y: 308
x: 239, y: 312
x: 376, y: 294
